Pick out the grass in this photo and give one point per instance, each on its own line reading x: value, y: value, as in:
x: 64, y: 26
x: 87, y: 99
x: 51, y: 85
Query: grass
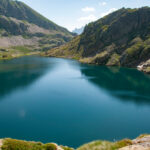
x: 105, y: 145
x: 24, y: 49
x: 11, y: 144
x: 135, y: 48
x: 16, y: 51
x: 114, y: 60
x: 69, y: 50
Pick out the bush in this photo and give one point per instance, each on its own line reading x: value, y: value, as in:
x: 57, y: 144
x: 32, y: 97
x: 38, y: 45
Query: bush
x: 50, y: 146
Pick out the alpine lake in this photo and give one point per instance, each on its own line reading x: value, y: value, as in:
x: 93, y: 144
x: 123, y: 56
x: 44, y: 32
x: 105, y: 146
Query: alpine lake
x: 69, y: 103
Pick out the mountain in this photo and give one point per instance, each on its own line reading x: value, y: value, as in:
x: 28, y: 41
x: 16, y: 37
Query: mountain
x: 24, y: 29
x: 78, y: 30
x: 121, y: 38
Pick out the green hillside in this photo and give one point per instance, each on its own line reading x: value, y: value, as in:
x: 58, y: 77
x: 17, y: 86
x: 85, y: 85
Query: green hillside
x: 121, y: 38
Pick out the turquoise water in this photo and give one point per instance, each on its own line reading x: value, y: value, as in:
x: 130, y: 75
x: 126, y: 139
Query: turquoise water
x: 63, y: 101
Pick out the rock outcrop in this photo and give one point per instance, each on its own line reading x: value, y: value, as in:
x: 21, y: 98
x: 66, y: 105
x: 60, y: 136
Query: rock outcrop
x: 141, y: 143
x: 145, y: 66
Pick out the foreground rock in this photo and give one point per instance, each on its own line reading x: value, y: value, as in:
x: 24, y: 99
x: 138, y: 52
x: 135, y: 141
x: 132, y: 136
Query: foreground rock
x: 141, y: 143
x: 145, y: 67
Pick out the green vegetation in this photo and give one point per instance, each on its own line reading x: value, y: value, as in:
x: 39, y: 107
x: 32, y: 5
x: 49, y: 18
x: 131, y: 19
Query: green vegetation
x: 17, y: 51
x: 104, y: 28
x: 114, y: 60
x: 135, y: 49
x: 67, y: 50
x: 11, y: 144
x: 105, y: 145
x: 24, y: 49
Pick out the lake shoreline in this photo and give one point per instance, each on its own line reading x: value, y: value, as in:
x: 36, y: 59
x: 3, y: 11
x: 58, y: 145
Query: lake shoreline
x: 139, y: 68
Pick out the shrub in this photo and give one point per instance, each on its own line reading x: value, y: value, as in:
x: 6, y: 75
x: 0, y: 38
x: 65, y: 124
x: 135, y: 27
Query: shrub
x: 50, y: 146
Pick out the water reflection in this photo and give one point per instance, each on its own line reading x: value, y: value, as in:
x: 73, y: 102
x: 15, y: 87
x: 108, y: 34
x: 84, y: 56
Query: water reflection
x: 126, y: 84
x: 21, y: 72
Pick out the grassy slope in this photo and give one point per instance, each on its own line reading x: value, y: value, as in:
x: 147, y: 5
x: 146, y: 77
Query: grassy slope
x: 17, y: 51
x: 105, y: 145
x: 68, y: 50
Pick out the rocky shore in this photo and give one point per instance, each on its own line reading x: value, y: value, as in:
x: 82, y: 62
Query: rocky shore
x: 140, y: 143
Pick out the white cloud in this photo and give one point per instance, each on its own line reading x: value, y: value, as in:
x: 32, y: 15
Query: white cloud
x: 88, y: 18
x: 108, y: 12
x: 102, y: 3
x: 88, y: 9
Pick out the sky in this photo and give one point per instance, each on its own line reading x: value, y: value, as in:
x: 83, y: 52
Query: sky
x: 73, y: 14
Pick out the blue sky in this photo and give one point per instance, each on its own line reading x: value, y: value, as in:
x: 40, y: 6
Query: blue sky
x: 76, y: 13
